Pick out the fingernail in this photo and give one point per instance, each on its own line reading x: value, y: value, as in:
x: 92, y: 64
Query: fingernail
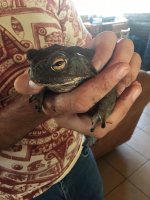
x: 136, y: 93
x: 33, y: 85
x: 120, y: 88
x: 97, y: 64
x: 122, y: 70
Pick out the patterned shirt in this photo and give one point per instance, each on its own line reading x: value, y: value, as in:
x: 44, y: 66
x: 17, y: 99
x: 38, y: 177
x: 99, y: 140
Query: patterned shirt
x: 47, y: 153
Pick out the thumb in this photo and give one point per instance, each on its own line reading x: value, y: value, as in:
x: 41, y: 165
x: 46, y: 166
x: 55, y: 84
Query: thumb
x: 24, y: 85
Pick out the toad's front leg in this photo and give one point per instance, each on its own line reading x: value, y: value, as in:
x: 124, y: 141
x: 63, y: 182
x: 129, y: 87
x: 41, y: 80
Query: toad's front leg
x: 38, y: 99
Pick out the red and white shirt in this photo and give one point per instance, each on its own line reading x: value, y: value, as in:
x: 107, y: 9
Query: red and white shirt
x: 47, y: 153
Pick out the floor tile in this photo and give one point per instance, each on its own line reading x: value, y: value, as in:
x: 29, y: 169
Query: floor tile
x: 146, y: 129
x: 144, y: 121
x: 125, y: 159
x: 111, y: 178
x: 141, y: 178
x: 147, y: 109
x: 141, y: 143
x: 126, y: 191
x: 126, y: 170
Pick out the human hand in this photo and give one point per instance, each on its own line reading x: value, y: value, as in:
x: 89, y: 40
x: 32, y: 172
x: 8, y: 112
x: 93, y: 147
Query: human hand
x: 121, y: 70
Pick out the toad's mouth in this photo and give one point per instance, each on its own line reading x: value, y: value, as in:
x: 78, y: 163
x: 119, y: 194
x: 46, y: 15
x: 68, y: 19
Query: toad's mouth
x: 65, y: 87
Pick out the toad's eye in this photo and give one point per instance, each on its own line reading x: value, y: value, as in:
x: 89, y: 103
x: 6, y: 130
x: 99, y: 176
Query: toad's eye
x: 58, y: 64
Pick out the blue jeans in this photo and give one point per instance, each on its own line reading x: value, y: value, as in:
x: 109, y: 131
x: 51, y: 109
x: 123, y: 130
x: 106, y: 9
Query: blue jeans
x: 83, y: 181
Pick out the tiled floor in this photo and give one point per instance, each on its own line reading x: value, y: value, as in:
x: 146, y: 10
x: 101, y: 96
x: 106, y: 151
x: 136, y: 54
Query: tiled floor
x: 126, y: 170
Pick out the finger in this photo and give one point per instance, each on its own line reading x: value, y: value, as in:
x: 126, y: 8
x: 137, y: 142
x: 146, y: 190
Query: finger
x: 82, y: 123
x: 23, y: 84
x: 123, y: 51
x: 123, y: 105
x: 104, y: 45
x: 135, y: 65
x: 87, y: 94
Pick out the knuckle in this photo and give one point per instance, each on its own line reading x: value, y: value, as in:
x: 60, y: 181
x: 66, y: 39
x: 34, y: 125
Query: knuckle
x: 107, y: 50
x: 107, y: 35
x: 128, y: 43
x: 137, y: 56
x: 80, y: 107
x: 111, y: 35
x: 59, y: 103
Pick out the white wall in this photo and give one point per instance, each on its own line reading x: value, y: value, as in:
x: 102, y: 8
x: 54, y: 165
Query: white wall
x: 111, y: 7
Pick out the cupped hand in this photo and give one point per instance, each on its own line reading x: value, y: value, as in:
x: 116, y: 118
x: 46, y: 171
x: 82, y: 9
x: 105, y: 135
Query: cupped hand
x: 121, y: 69
x: 24, y: 85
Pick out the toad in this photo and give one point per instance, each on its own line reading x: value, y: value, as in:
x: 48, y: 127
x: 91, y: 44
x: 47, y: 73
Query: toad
x: 62, y: 69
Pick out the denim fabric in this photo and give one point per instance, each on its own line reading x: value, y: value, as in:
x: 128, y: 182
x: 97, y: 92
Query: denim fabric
x: 83, y: 182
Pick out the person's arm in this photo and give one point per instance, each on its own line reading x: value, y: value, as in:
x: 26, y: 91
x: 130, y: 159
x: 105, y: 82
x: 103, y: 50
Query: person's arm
x: 17, y: 119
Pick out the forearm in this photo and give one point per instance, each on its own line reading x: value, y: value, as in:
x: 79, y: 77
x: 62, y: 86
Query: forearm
x: 17, y: 119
